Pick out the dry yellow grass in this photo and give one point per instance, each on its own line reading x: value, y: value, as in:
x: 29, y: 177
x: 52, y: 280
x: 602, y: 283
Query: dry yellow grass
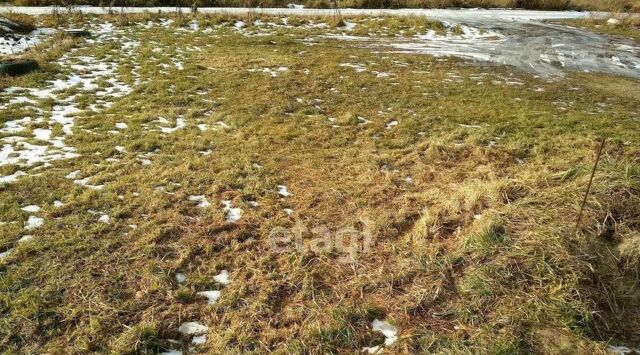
x: 475, y: 253
x: 600, y: 5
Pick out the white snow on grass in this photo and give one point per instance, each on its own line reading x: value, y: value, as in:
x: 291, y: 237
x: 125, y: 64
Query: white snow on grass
x: 5, y: 254
x: 622, y: 350
x: 33, y: 222
x: 359, y: 68
x: 180, y: 277
x: 283, y: 191
x: 31, y: 208
x: 273, y: 72
x: 199, y: 340
x: 104, y: 219
x: 121, y: 125
x: 201, y: 200
x: 15, y: 43
x: 8, y: 179
x: 144, y: 159
x: 26, y: 154
x: 42, y: 134
x: 373, y: 349
x: 82, y: 75
x: 391, y: 124
x: 193, y: 328
x: 85, y: 183
x: 389, y: 331
x: 223, y: 125
x: 233, y: 213
x: 180, y: 124
x: 25, y: 238
x: 212, y: 296
x: 73, y: 175
x: 222, y: 277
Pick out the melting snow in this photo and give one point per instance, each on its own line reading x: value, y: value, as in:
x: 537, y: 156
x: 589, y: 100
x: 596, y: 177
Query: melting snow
x: 180, y: 277
x: 389, y: 331
x: 33, y: 222
x: 5, y: 254
x: 31, y: 208
x: 85, y: 74
x: 212, y: 296
x: 8, y: 179
x: 222, y: 277
x: 193, y: 328
x: 199, y: 340
x: 14, y: 43
x: 25, y: 238
x: 272, y: 72
x: 623, y: 350
x: 201, y: 199
x: 180, y: 123
x: 233, y: 214
x: 282, y: 191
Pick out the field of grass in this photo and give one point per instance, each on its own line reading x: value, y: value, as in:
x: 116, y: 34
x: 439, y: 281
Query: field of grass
x: 584, y: 5
x: 468, y: 179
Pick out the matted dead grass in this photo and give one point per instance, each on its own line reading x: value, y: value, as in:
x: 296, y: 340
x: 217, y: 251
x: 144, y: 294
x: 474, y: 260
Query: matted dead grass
x: 471, y: 196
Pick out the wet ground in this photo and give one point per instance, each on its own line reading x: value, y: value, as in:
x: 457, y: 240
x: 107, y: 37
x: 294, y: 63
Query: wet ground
x: 520, y: 38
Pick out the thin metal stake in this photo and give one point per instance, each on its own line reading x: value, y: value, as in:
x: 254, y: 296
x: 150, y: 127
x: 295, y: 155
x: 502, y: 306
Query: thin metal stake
x: 593, y: 172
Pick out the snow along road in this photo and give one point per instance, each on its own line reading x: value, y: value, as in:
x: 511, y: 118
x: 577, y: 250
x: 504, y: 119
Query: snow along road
x: 519, y: 38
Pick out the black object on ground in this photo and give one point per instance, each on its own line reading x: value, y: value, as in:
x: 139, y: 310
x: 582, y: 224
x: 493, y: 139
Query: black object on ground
x: 17, y: 66
x: 77, y: 33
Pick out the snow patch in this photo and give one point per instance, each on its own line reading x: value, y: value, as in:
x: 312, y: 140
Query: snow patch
x: 212, y: 296
x: 193, y: 328
x: 222, y: 277
x: 233, y: 213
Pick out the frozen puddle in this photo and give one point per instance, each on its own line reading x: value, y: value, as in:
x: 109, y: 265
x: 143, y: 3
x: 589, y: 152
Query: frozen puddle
x: 521, y: 41
x: 83, y: 75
